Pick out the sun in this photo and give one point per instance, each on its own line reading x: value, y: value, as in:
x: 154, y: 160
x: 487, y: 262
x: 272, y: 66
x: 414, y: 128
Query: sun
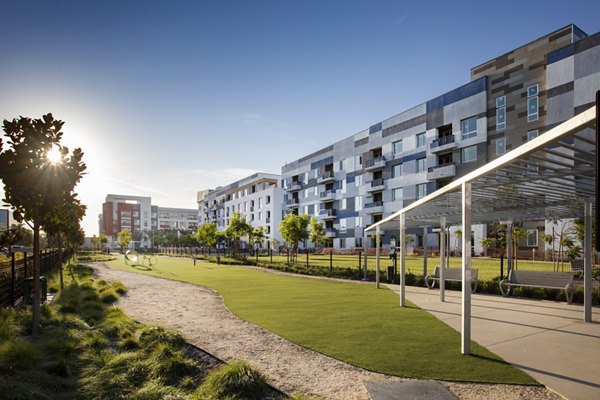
x: 54, y: 156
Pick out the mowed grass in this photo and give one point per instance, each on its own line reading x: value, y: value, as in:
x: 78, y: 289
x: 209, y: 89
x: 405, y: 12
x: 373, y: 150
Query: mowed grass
x: 489, y: 268
x: 353, y: 322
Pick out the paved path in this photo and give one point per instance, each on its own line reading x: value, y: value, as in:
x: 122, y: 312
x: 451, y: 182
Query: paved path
x: 546, y: 339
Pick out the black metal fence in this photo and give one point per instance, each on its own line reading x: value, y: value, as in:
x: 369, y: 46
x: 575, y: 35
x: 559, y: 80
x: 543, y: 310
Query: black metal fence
x: 14, y: 272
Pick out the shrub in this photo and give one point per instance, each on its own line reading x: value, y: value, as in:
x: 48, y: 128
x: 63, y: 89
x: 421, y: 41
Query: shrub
x: 18, y: 355
x: 8, y: 325
x: 238, y: 380
x: 108, y: 296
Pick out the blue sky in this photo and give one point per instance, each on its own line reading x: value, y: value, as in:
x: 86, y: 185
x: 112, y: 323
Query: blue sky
x: 170, y: 97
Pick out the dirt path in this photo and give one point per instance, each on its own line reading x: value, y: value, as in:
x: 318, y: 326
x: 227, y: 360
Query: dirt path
x: 200, y: 315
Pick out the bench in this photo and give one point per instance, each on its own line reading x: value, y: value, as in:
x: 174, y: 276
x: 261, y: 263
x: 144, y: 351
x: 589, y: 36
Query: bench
x: 577, y: 266
x: 539, y: 279
x: 451, y: 274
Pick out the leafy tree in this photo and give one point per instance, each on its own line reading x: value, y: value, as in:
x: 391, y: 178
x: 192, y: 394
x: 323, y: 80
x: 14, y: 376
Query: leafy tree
x: 207, y: 234
x: 317, y: 232
x: 518, y: 235
x: 188, y: 240
x: 34, y: 184
x: 12, y: 236
x: 136, y: 236
x: 124, y: 239
x: 294, y: 229
x: 65, y: 219
x: 238, y: 228
x: 103, y: 240
x: 486, y: 243
x: 256, y: 239
x: 458, y: 236
x: 95, y: 242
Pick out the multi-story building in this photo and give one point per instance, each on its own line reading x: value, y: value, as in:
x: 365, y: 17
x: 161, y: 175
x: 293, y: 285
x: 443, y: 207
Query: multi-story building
x: 258, y: 198
x: 510, y: 99
x: 137, y: 214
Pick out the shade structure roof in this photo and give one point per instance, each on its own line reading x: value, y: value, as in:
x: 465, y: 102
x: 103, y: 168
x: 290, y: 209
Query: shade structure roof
x: 549, y: 177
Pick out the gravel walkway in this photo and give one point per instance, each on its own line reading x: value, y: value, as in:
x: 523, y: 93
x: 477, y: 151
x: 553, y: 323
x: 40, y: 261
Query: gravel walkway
x: 200, y: 315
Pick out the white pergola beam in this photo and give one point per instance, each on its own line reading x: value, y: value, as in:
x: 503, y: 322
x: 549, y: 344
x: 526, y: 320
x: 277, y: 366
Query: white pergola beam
x: 466, y: 269
x: 402, y: 261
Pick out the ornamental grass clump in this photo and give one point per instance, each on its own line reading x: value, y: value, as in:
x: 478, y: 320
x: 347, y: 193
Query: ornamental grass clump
x: 238, y: 380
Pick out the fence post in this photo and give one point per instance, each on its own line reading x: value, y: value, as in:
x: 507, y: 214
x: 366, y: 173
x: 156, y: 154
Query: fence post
x: 330, y: 261
x: 12, y: 278
x: 359, y: 264
x: 25, y: 263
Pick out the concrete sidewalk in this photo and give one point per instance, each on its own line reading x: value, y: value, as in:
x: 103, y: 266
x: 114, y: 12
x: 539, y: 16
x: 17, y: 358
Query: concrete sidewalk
x: 546, y: 339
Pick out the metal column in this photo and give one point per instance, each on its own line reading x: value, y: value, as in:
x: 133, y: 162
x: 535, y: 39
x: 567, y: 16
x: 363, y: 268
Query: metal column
x: 509, y: 247
x: 442, y: 256
x: 424, y: 252
x: 377, y: 254
x: 466, y: 268
x: 402, y: 261
x: 588, y: 264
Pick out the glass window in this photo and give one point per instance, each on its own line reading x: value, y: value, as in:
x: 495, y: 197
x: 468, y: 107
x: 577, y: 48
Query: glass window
x: 532, y: 135
x: 532, y: 90
x: 358, y: 203
x: 397, y: 171
x: 500, y: 146
x: 259, y: 203
x: 421, y: 139
x: 342, y: 225
x: 343, y: 204
x: 343, y: 185
x: 268, y: 199
x: 469, y: 154
x: 398, y: 147
x: 469, y: 127
x: 421, y: 164
x: 397, y: 194
x: 357, y: 161
x: 306, y: 192
x: 500, y: 101
x: 500, y: 118
x: 342, y: 165
x: 421, y: 190
x: 532, y: 238
x: 358, y: 180
x: 358, y: 222
x: 532, y: 109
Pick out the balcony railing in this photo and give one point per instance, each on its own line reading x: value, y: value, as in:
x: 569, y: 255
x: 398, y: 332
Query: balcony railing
x: 327, y: 213
x: 374, y: 204
x: 293, y: 202
x: 442, y: 141
x: 325, y: 176
x: 377, y: 162
x: 441, y: 171
x: 294, y: 186
x: 330, y: 233
x: 377, y: 184
x: 327, y: 195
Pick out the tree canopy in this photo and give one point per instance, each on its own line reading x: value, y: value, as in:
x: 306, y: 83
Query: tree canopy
x: 317, y: 232
x: 294, y: 229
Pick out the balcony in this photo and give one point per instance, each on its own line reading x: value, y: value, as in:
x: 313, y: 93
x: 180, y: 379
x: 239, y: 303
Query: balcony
x: 330, y: 233
x: 327, y: 214
x: 374, y: 208
x: 325, y: 177
x: 327, y: 196
x: 443, y: 143
x: 376, y: 185
x: 447, y: 170
x: 268, y: 220
x: 294, y: 186
x: 293, y: 203
x: 374, y: 164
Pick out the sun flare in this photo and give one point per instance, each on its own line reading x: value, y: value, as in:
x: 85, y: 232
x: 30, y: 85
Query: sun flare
x: 54, y: 156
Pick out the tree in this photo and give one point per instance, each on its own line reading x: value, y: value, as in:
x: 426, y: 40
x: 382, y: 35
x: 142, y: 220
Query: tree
x: 294, y: 229
x: 238, y: 227
x: 317, y: 232
x: 103, y: 240
x: 124, y: 239
x: 458, y: 236
x: 486, y: 243
x: 518, y: 234
x: 207, y: 234
x: 65, y: 219
x: 12, y: 236
x: 34, y: 182
x: 95, y: 242
x: 136, y: 237
x: 256, y: 238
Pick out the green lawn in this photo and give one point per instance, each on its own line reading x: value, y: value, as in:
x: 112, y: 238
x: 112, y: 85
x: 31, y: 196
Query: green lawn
x: 489, y: 268
x: 352, y: 322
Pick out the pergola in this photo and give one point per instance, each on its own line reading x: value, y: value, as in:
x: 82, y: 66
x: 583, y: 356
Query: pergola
x: 553, y: 176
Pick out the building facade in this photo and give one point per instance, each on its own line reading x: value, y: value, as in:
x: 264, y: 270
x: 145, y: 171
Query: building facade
x: 137, y: 214
x: 258, y: 198
x: 510, y: 99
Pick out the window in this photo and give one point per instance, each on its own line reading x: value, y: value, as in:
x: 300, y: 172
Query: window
x: 421, y: 190
x: 532, y: 135
x: 500, y: 113
x: 343, y: 185
x: 358, y: 203
x: 306, y: 192
x: 358, y: 222
x: 421, y: 139
x: 469, y: 127
x: 342, y: 243
x: 343, y: 204
x: 398, y: 147
x: 397, y: 171
x: 259, y: 203
x: 305, y: 209
x: 532, y: 103
x: 397, y: 194
x: 532, y: 238
x: 342, y: 225
x: 259, y: 215
x: 358, y: 180
x: 421, y: 164
x: 357, y: 161
x: 342, y: 165
x: 469, y: 154
x: 500, y: 146
x: 268, y: 199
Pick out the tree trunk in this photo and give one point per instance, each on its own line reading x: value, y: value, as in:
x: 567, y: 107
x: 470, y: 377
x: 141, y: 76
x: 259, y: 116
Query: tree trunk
x: 36, y: 279
x: 60, y: 265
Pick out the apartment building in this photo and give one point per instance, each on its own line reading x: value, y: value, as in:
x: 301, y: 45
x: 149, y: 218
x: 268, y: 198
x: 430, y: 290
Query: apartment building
x: 258, y: 198
x: 137, y: 214
x: 510, y: 99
